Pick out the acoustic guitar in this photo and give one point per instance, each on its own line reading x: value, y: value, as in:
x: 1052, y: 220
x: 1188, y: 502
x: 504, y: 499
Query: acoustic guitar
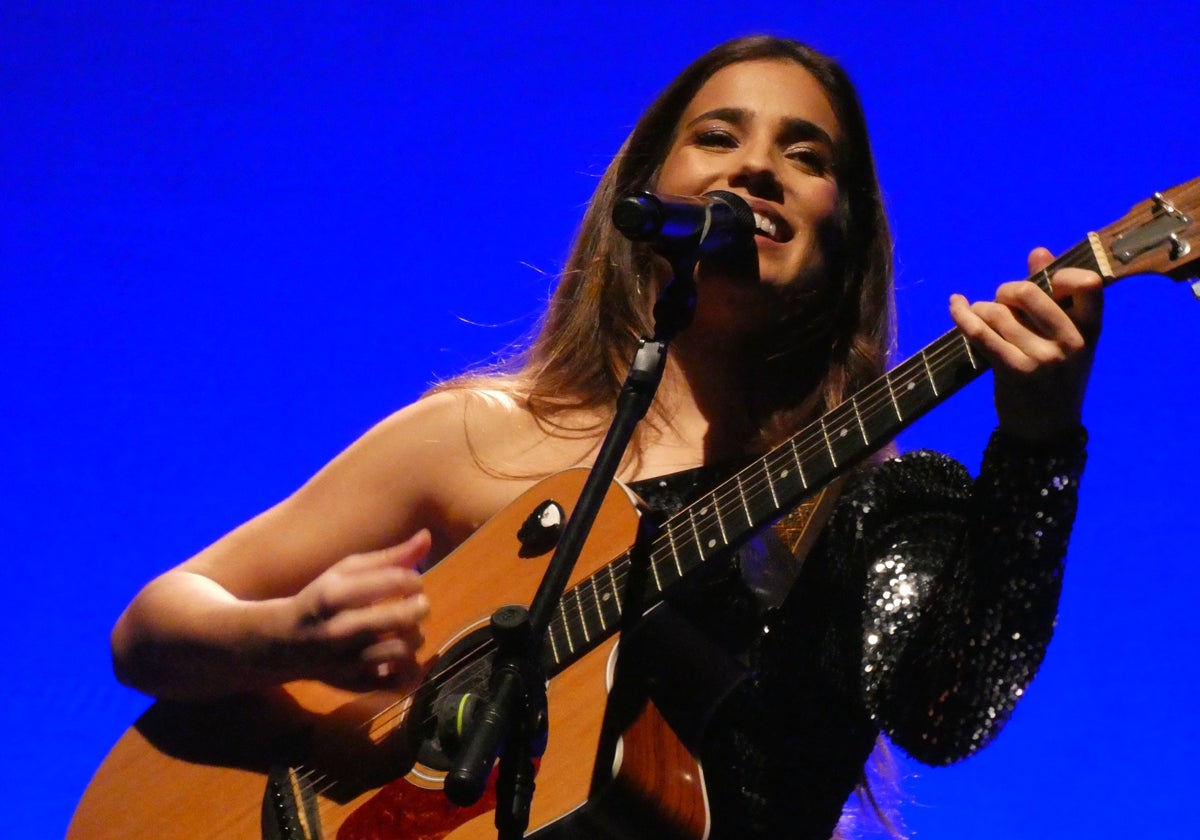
x: 310, y: 761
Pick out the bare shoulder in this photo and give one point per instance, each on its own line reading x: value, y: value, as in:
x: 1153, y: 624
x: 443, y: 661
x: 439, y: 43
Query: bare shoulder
x: 477, y: 430
x: 389, y: 483
x: 499, y: 449
x: 446, y: 463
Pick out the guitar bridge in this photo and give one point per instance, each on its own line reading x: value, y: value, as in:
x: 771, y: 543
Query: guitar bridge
x: 289, y: 808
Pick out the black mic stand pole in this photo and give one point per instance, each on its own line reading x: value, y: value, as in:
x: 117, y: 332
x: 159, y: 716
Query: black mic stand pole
x: 512, y: 724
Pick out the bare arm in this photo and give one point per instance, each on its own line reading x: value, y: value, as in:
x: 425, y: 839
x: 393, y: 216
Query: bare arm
x: 321, y: 586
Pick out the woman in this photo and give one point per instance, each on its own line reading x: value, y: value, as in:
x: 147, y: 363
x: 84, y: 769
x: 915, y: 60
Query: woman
x: 924, y: 606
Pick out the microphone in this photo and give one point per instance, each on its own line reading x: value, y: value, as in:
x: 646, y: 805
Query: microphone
x: 454, y: 713
x: 672, y: 223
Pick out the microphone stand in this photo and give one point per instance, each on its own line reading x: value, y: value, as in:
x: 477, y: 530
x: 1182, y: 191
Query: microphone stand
x: 512, y: 724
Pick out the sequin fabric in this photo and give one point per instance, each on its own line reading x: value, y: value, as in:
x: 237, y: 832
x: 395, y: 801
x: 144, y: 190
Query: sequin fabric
x: 962, y: 587
x: 924, y: 610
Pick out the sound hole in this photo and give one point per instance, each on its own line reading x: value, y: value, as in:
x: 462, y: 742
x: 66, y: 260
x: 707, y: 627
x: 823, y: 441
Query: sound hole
x: 463, y: 670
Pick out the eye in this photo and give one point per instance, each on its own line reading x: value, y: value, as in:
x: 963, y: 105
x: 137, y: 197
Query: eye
x: 811, y: 158
x: 715, y: 137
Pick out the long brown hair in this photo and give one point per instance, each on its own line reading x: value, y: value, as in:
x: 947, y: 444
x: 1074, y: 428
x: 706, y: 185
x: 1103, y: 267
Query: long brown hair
x: 601, y: 306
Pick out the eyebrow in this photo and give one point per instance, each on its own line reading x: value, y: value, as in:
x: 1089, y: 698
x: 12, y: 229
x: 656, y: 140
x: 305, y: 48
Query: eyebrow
x: 795, y: 128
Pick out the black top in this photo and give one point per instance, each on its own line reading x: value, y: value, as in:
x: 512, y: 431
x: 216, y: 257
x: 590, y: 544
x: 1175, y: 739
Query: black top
x: 923, y: 610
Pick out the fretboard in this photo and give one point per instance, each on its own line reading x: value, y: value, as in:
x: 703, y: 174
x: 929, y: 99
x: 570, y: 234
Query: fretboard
x: 724, y: 519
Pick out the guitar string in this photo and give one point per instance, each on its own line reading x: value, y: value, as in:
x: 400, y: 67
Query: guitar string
x: 391, y: 715
x: 949, y: 350
x: 877, y: 397
x: 752, y: 486
x: 586, y: 614
x: 866, y: 403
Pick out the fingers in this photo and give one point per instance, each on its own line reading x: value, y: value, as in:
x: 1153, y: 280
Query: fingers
x: 392, y: 616
x: 1039, y: 258
x: 1040, y: 346
x: 377, y: 670
x: 358, y: 623
x: 363, y: 579
x: 406, y: 555
x: 1080, y: 292
x: 1013, y: 332
x: 393, y: 659
x: 373, y: 661
x: 1085, y: 291
x: 1024, y: 329
x: 1034, y: 322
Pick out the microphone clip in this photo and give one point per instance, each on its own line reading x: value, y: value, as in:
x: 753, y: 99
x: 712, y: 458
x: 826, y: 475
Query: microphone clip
x: 512, y: 725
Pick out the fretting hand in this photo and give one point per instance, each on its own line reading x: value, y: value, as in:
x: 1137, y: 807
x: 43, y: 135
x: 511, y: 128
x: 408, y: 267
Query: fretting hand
x: 1040, y: 352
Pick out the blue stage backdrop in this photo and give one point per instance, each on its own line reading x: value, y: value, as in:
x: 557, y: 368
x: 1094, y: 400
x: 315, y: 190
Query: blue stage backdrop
x: 234, y: 235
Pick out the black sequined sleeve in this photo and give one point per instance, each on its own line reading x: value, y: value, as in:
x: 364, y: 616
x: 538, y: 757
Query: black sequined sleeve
x: 962, y: 582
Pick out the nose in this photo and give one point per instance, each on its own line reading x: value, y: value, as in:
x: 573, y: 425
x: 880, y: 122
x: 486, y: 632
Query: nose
x: 755, y: 172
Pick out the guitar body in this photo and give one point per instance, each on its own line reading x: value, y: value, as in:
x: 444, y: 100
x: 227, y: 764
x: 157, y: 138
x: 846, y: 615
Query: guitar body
x: 346, y: 765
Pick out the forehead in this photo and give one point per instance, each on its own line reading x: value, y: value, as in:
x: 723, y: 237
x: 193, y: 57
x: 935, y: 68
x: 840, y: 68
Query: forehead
x: 770, y: 89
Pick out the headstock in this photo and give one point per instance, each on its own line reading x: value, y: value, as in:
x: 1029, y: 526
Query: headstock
x: 1158, y: 236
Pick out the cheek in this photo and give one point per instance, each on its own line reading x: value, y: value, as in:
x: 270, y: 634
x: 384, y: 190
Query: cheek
x: 682, y: 173
x: 666, y: 183
x: 822, y: 201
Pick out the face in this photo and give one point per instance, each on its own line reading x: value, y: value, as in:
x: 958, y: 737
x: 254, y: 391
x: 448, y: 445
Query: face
x: 765, y: 131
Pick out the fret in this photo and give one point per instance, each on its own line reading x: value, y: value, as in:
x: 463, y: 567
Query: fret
x: 553, y: 643
x: 674, y: 549
x: 970, y: 355
x: 599, y: 604
x: 771, y: 483
x: 688, y: 554
x: 615, y: 586
x: 858, y: 416
x: 699, y: 543
x: 929, y: 372
x: 717, y: 516
x: 742, y: 496
x: 887, y: 381
x: 566, y: 625
x: 587, y: 637
x: 653, y: 564
x: 799, y: 464
x: 828, y: 445
x: 792, y: 482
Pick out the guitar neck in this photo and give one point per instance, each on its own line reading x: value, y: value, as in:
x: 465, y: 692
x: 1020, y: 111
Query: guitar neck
x: 726, y: 518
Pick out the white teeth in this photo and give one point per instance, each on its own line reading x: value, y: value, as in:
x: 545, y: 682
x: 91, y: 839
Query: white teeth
x: 764, y: 225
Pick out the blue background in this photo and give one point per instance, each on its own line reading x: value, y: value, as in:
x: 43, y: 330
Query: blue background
x: 234, y: 235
